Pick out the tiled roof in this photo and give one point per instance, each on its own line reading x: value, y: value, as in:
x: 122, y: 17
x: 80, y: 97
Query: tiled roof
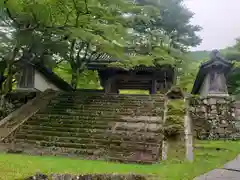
x: 52, y: 77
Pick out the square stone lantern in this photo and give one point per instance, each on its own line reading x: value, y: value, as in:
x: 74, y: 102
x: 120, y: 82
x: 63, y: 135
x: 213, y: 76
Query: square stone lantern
x: 211, y: 78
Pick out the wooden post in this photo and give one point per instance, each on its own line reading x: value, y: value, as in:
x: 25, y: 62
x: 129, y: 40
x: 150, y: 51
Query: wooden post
x: 108, y: 86
x: 154, y: 87
x: 188, y: 133
x: 165, y: 143
x: 114, y: 87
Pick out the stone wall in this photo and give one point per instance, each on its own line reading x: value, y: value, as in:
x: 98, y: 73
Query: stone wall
x: 40, y: 176
x: 213, y: 117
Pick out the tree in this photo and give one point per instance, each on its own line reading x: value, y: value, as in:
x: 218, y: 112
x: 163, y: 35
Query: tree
x: 174, y: 21
x: 233, y: 54
x: 164, y: 37
x: 77, y: 32
x: 85, y: 28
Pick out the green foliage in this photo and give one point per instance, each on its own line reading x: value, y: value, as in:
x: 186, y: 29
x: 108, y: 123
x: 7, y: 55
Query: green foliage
x: 174, y: 20
x: 88, y: 79
x: 199, y: 55
x: 187, y: 74
x: 156, y: 57
x: 134, y: 92
x: 154, y: 41
x: 233, y: 55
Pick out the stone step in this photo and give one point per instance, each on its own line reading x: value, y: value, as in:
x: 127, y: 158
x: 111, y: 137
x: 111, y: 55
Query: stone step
x: 83, y: 140
x: 95, y: 119
x: 124, y: 149
x: 30, y: 147
x: 91, y: 143
x: 81, y: 124
x: 82, y: 153
x: 132, y: 127
x: 110, y: 96
x: 119, y: 109
x: 103, y: 113
x: 119, y: 135
x: 107, y: 105
x: 108, y: 99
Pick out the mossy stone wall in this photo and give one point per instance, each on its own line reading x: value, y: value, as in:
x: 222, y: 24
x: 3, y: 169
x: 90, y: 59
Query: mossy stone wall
x: 213, y: 117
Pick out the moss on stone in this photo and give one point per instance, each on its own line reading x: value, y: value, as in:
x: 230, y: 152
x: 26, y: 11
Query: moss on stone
x: 174, y: 124
x: 174, y: 129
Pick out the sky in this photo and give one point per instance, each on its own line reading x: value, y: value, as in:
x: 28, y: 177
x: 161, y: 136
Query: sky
x: 220, y: 20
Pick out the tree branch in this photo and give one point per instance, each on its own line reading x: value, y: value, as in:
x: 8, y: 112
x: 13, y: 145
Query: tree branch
x: 67, y: 18
x: 86, y: 51
x: 59, y: 62
x: 86, y: 7
x: 71, y: 56
x: 79, y: 51
x: 11, y: 17
x: 77, y: 13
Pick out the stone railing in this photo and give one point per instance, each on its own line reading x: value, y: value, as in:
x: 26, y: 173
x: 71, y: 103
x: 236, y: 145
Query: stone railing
x: 14, y: 100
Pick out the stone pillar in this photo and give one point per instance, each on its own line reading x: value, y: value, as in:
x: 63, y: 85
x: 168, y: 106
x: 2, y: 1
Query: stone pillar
x: 164, y: 142
x: 188, y: 133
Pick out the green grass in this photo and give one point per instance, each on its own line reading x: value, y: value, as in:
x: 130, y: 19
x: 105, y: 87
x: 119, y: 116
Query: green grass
x: 144, y: 92
x: 207, y: 158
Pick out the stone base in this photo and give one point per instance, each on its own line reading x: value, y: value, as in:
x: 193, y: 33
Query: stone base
x: 216, y: 95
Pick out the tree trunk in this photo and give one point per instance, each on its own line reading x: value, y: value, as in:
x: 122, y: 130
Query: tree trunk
x: 2, y: 79
x: 9, y: 78
x: 74, y: 80
x: 10, y: 62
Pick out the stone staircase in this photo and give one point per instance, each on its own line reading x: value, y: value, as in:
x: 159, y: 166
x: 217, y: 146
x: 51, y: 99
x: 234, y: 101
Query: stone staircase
x: 92, y: 125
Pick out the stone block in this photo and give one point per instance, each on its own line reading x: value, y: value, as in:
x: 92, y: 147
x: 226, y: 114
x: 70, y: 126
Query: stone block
x: 205, y: 101
x: 222, y: 101
x: 212, y: 101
